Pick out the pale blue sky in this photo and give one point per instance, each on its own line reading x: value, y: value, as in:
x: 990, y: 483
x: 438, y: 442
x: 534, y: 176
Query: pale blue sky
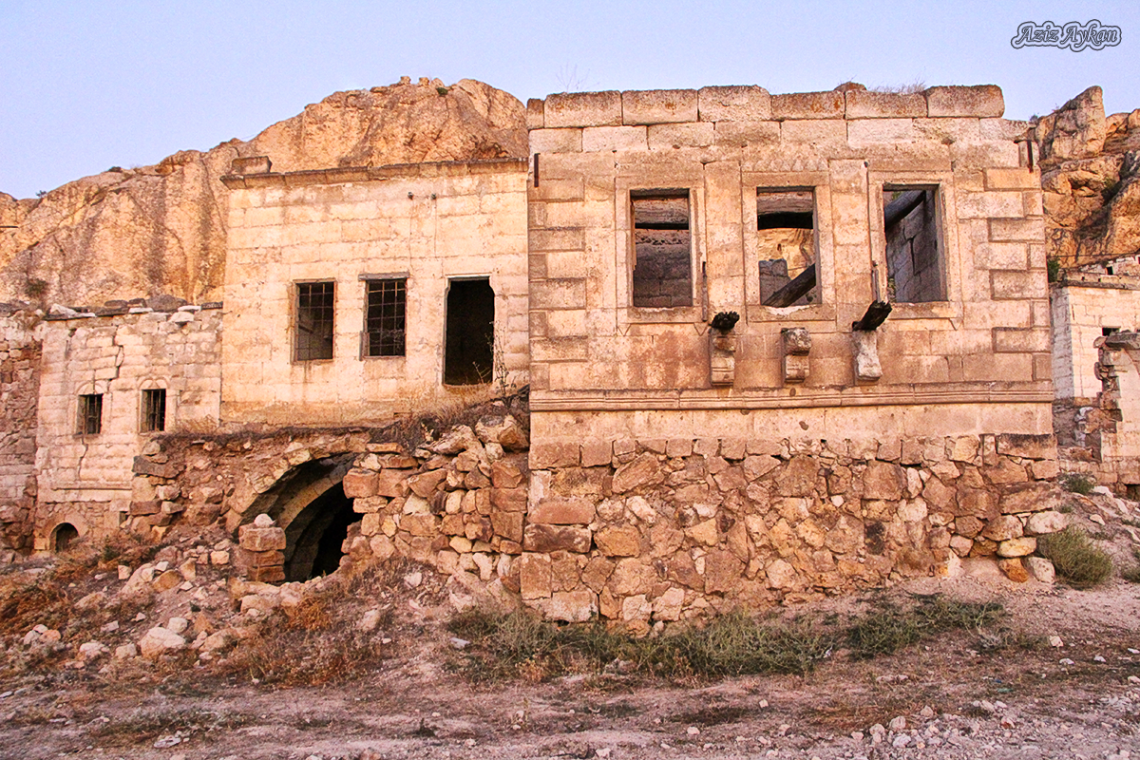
x: 86, y: 85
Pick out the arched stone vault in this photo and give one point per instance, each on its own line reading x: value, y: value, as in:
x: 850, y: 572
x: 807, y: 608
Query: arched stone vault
x: 307, y: 502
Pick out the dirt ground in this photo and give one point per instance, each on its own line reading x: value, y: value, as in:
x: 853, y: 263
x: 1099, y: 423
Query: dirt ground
x: 1059, y: 678
x: 949, y: 698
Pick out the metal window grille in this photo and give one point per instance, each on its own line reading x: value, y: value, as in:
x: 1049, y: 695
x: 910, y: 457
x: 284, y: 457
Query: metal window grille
x: 154, y: 410
x: 91, y: 414
x: 314, y: 338
x: 385, y: 320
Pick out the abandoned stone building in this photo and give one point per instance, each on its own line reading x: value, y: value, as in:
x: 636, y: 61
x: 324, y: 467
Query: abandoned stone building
x: 776, y: 346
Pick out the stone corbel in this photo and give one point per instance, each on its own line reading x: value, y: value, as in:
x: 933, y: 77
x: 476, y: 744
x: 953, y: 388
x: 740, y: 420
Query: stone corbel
x: 868, y: 369
x: 797, y: 345
x: 722, y: 349
x: 722, y: 358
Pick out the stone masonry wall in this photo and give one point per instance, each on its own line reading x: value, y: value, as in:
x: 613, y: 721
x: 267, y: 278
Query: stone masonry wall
x: 1082, y: 307
x: 20, y: 352
x: 428, y: 223
x: 85, y: 480
x: 641, y: 531
x: 721, y: 145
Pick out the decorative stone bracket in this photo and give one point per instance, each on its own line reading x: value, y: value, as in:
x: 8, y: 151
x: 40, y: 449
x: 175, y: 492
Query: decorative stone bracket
x: 868, y: 369
x: 722, y: 358
x: 797, y: 346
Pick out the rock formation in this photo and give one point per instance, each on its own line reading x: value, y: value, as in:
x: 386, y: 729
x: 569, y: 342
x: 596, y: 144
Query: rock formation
x: 161, y: 229
x: 1089, y: 174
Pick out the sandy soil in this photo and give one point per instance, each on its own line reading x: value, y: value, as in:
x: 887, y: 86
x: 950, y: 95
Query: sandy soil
x: 950, y: 698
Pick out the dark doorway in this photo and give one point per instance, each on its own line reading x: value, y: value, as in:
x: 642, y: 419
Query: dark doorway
x: 315, y: 536
x: 65, y: 537
x: 469, y: 345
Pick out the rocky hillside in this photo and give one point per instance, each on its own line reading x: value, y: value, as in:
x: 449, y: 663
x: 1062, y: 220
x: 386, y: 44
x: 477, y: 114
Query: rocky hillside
x: 128, y: 233
x: 1090, y: 168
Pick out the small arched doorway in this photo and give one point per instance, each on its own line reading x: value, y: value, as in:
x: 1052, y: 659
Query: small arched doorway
x: 309, y: 503
x: 64, y: 537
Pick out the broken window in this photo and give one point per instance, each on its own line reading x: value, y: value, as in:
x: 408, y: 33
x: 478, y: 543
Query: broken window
x: 469, y: 349
x: 915, y: 267
x: 314, y: 335
x: 154, y: 410
x: 384, y: 317
x: 90, y: 414
x: 785, y: 231
x: 662, y: 244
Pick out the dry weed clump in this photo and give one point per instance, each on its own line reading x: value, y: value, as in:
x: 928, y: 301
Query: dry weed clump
x: 886, y: 628
x: 321, y: 640
x: 1081, y: 564
x: 521, y: 645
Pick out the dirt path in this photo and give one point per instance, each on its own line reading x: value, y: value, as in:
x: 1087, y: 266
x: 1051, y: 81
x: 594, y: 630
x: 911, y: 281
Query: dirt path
x: 955, y: 697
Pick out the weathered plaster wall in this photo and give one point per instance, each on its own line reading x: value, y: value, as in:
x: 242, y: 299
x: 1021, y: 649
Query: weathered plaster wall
x: 86, y: 479
x: 430, y: 221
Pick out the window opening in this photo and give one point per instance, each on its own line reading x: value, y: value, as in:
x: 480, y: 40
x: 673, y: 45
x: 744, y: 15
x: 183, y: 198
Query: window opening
x: 469, y: 344
x: 154, y: 410
x: 785, y: 228
x: 387, y: 303
x: 662, y: 244
x: 90, y: 414
x: 915, y: 269
x: 314, y: 338
x: 65, y: 537
x: 1106, y: 331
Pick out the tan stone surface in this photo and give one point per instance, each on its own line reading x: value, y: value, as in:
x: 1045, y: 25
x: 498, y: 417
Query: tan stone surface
x: 162, y: 229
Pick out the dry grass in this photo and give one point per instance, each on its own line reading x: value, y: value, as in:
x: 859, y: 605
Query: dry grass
x: 888, y: 628
x: 521, y: 645
x: 1078, y: 483
x: 319, y: 641
x: 1077, y: 561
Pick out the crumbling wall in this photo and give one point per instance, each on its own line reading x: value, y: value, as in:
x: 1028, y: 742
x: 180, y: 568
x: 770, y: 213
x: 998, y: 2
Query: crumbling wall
x: 20, y: 357
x: 637, y: 530
x: 1117, y: 443
x: 85, y: 478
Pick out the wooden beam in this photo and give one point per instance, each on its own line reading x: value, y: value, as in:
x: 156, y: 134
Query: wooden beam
x: 794, y: 290
x: 900, y: 207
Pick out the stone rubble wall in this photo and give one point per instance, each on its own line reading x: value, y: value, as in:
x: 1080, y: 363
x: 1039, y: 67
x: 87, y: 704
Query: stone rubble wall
x: 86, y: 480
x: 20, y: 357
x: 645, y: 531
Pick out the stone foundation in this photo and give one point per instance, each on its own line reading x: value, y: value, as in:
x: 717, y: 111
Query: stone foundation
x: 637, y: 531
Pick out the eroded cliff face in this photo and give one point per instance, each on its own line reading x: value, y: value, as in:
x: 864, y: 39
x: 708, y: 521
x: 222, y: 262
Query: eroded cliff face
x: 161, y: 229
x: 1090, y: 172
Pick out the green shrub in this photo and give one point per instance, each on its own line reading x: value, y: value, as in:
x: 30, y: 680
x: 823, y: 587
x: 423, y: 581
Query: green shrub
x: 1076, y: 482
x: 1132, y: 574
x: 1075, y: 558
x: 887, y: 628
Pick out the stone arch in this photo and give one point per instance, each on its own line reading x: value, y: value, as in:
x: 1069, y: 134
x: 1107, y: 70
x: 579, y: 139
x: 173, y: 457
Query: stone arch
x: 71, y: 526
x: 309, y: 503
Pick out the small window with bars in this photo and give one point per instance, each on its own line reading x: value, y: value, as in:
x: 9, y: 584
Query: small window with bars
x: 314, y: 330
x: 384, y: 319
x: 90, y: 414
x: 154, y: 410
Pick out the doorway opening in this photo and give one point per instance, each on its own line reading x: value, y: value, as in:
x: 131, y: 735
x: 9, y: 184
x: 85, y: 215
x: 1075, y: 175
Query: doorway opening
x: 64, y: 537
x: 469, y: 346
x: 315, y: 536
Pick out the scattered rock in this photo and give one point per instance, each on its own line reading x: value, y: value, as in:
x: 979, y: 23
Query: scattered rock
x: 159, y: 641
